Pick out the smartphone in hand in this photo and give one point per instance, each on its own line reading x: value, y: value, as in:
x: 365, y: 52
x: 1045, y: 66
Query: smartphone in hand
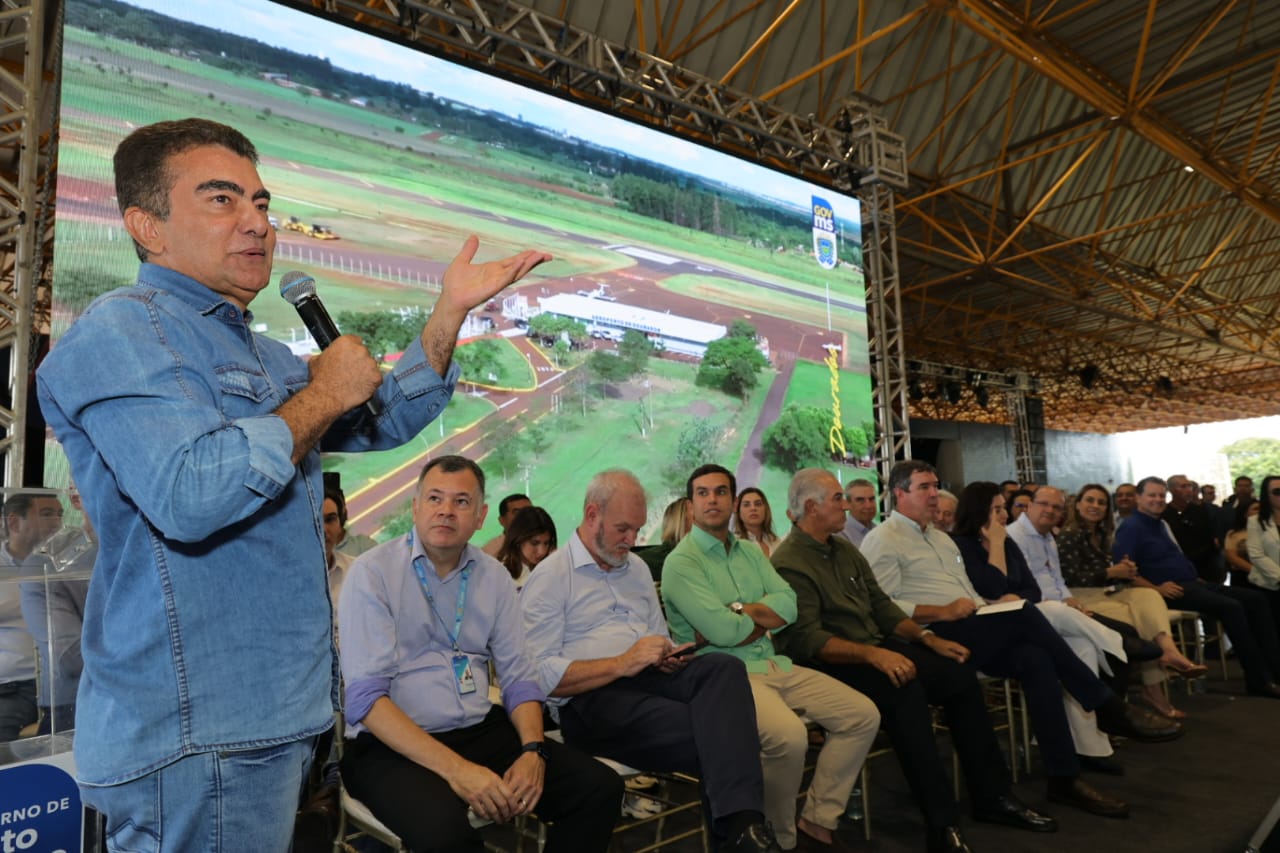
x: 688, y: 650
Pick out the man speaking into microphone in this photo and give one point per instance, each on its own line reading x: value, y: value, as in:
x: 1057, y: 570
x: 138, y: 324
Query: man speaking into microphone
x: 208, y: 661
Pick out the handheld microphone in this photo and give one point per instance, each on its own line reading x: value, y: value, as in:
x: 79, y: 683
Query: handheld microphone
x: 299, y: 290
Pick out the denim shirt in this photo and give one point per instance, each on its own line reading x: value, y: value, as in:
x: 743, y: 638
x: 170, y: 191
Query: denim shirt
x: 207, y: 625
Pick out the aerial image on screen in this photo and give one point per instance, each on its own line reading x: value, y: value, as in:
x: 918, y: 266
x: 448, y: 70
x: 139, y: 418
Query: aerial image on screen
x: 700, y: 307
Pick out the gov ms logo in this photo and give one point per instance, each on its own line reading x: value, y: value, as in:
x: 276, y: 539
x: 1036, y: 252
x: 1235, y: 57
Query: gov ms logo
x: 824, y: 233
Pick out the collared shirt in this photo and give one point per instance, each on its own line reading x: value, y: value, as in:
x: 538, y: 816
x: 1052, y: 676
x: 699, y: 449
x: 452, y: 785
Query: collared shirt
x: 1150, y: 544
x: 207, y: 625
x: 855, y: 531
x: 574, y: 610
x: 837, y: 595
x: 17, y: 648
x: 53, y: 607
x: 395, y: 644
x: 701, y: 578
x: 1041, y: 552
x: 917, y: 566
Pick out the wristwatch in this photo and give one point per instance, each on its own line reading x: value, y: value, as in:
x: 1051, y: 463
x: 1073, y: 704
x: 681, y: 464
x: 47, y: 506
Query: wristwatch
x: 737, y: 607
x: 924, y: 633
x: 536, y: 746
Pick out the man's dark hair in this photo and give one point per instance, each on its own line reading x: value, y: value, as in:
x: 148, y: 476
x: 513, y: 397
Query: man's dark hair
x: 333, y: 493
x: 710, y: 468
x: 1146, y: 481
x: 1004, y: 483
x: 20, y: 503
x: 901, y: 473
x: 142, y: 161
x: 451, y: 465
x: 508, y: 501
x: 1243, y: 479
x: 1019, y: 493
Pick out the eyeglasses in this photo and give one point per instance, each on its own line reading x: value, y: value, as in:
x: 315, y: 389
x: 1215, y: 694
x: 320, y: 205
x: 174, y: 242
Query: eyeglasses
x: 1275, y: 493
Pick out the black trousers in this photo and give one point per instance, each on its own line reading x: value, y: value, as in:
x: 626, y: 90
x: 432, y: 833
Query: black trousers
x: 905, y: 716
x: 1022, y: 644
x: 700, y: 720
x: 581, y: 798
x: 1247, y: 618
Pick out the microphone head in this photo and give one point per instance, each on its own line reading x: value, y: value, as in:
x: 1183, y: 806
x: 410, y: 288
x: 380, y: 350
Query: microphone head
x: 296, y: 286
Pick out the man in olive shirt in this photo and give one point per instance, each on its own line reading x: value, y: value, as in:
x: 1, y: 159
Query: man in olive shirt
x: 847, y: 627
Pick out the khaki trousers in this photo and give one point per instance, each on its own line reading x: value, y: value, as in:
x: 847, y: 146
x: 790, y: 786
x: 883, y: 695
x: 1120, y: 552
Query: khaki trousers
x: 1142, y: 608
x: 850, y: 721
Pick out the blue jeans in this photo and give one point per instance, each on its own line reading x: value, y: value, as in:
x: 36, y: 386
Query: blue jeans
x: 212, y: 802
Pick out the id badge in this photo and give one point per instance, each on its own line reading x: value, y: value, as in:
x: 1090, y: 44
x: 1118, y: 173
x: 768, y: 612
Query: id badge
x: 462, y: 674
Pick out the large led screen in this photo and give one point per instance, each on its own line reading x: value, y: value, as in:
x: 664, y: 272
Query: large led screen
x: 700, y: 307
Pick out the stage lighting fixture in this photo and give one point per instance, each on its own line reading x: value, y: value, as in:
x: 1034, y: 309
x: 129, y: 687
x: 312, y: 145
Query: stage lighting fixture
x: 1089, y: 375
x: 982, y: 395
x: 914, y: 391
x: 1164, y: 385
x: 952, y: 391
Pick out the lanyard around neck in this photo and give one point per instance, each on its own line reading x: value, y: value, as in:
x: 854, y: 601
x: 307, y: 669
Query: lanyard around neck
x: 431, y: 599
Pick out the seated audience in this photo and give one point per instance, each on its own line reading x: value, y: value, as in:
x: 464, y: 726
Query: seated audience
x: 1235, y: 544
x: 1264, y: 545
x: 351, y: 544
x: 996, y: 566
x: 332, y: 515
x: 944, y: 514
x: 921, y: 570
x: 1244, y: 613
x: 1194, y: 528
x: 617, y: 685
x: 29, y: 519
x: 507, y: 509
x: 676, y: 522
x: 860, y: 499
x: 422, y: 617
x: 1084, y: 549
x: 53, y: 608
x: 723, y: 591
x: 847, y: 627
x: 1018, y: 503
x: 753, y: 520
x: 530, y: 537
x: 1126, y: 497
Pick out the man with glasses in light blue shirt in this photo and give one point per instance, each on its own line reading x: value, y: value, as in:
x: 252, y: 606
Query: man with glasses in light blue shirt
x: 421, y: 618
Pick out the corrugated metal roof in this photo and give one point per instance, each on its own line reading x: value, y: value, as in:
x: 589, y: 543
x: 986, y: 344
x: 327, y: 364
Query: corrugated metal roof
x: 1091, y: 183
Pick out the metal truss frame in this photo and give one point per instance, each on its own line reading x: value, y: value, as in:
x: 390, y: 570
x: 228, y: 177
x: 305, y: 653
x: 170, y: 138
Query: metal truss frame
x: 546, y: 52
x: 856, y: 153
x: 25, y: 188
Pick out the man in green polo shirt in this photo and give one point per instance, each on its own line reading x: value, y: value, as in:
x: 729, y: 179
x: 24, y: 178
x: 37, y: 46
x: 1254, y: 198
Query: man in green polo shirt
x: 723, y: 590
x: 846, y: 626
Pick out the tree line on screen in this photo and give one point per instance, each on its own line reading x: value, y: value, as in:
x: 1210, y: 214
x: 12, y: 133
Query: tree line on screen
x: 647, y: 189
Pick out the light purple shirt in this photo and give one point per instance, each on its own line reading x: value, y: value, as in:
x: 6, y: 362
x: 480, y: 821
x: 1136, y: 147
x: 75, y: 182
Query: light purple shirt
x: 395, y: 645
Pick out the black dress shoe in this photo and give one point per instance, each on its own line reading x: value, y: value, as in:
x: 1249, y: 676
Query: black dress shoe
x: 1101, y: 764
x: 1270, y: 691
x: 1076, y: 792
x: 1011, y: 811
x: 757, y: 838
x: 947, y: 840
x: 1133, y: 721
